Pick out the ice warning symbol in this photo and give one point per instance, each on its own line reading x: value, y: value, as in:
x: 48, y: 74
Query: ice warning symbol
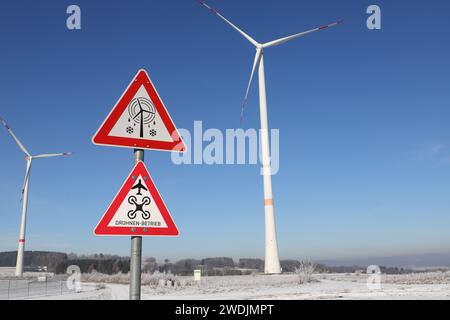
x: 142, y: 112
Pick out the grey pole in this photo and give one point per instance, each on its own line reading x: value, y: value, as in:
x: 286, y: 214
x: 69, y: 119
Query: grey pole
x: 136, y: 250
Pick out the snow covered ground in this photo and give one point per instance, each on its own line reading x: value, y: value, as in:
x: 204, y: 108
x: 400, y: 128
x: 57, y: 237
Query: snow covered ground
x: 435, y: 285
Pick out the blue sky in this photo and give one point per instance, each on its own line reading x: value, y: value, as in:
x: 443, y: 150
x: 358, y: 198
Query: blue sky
x: 363, y: 118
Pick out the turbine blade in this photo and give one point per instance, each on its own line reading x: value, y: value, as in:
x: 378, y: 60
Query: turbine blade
x: 27, y: 176
x: 255, y: 63
x: 304, y: 33
x: 21, y: 146
x: 214, y: 11
x: 49, y: 155
x: 139, y: 103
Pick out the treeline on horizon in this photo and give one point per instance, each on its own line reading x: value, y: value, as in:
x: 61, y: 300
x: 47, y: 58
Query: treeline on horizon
x: 58, y: 262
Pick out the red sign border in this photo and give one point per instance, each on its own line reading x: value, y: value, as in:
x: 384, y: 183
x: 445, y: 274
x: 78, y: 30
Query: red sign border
x: 102, y: 136
x: 102, y: 228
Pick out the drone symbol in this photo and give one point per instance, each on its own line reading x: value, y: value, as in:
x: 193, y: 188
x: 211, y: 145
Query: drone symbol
x: 139, y: 207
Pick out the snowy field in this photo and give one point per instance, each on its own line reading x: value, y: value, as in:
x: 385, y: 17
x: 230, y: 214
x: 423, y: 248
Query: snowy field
x: 433, y: 285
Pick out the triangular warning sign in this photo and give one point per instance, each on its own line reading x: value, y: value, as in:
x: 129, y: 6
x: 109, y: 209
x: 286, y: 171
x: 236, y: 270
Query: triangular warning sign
x: 140, y: 120
x: 137, y: 209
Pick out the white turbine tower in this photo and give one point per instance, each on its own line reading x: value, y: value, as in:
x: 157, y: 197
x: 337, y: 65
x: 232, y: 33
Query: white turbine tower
x: 24, y: 198
x: 272, y: 261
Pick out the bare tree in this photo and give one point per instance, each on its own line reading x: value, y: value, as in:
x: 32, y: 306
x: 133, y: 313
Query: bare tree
x: 305, y: 271
x: 149, y: 265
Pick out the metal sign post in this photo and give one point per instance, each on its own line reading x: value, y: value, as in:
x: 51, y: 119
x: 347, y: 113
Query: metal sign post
x: 136, y: 250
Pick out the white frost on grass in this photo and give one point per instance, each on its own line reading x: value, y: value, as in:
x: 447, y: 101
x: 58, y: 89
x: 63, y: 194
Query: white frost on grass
x: 437, y: 277
x: 434, y: 285
x: 156, y: 279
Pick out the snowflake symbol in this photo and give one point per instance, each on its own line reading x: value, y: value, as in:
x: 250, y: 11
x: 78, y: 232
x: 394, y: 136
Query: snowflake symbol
x: 153, y: 132
x: 130, y: 130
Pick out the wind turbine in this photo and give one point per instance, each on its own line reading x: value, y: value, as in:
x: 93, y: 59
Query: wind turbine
x: 272, y: 261
x: 142, y: 118
x: 141, y: 114
x: 24, y: 197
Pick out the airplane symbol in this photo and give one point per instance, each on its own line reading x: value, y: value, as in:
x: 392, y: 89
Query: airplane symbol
x: 139, y: 186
